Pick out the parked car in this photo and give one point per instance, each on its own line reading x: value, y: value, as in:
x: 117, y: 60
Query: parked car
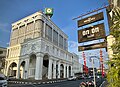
x: 80, y: 77
x: 11, y: 78
x: 3, y: 80
x: 72, y: 78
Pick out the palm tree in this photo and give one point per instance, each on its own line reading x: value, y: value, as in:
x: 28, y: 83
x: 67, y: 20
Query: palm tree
x: 113, y: 75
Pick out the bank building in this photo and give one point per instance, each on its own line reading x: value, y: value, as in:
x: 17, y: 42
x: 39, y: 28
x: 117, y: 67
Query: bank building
x: 39, y: 50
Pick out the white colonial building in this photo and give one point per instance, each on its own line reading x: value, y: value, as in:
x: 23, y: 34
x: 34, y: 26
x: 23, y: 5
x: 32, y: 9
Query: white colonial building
x: 77, y: 67
x: 38, y: 49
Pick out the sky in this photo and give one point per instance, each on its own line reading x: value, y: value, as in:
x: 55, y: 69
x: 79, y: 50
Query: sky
x: 64, y: 11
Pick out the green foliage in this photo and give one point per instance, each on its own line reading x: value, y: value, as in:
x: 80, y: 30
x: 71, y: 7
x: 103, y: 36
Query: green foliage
x: 113, y: 75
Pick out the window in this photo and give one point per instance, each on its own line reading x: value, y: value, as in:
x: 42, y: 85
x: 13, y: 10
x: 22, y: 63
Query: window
x: 22, y: 30
x: 39, y: 24
x: 1, y: 52
x: 65, y: 44
x: 48, y: 32
x: 60, y: 41
x: 14, y: 33
x: 49, y: 29
x: 55, y: 37
x: 30, y: 27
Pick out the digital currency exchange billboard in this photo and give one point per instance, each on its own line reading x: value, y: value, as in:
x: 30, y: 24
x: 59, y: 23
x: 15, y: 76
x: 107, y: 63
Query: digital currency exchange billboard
x: 90, y: 19
x: 91, y: 33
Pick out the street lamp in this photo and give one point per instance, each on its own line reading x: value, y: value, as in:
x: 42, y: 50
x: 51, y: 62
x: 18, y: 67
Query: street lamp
x: 92, y: 60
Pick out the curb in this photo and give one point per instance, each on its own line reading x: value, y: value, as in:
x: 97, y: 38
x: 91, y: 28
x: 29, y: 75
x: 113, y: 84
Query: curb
x: 49, y: 82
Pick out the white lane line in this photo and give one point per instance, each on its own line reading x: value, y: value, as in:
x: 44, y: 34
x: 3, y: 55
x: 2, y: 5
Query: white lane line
x: 102, y: 84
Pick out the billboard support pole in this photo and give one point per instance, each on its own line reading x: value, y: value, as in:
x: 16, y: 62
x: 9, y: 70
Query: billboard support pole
x: 84, y: 58
x: 101, y: 60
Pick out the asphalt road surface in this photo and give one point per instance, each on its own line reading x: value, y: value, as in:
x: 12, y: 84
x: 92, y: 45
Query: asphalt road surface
x: 57, y: 84
x: 75, y: 83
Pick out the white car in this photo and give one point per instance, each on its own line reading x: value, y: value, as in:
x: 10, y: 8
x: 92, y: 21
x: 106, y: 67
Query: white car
x: 72, y: 78
x: 3, y: 81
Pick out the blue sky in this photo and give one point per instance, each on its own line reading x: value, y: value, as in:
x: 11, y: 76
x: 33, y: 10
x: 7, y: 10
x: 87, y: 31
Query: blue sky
x: 64, y: 12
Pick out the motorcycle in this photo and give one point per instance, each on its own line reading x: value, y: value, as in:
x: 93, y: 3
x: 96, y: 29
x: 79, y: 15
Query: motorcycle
x: 83, y: 84
x: 87, y: 84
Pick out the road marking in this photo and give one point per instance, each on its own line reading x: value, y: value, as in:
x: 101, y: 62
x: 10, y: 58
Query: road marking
x: 102, y: 84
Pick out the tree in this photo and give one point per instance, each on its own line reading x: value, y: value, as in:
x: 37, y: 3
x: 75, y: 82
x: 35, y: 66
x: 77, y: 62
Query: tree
x: 113, y: 75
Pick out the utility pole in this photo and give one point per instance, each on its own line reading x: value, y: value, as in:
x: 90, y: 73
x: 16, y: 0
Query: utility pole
x: 92, y: 60
x: 93, y: 72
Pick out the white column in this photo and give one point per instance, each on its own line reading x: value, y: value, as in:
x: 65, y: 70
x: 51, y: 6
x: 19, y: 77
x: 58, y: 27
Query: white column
x: 6, y: 71
x: 23, y: 72
x: 63, y: 42
x: 38, y: 70
x: 58, y: 38
x: 59, y: 69
x: 33, y: 30
x: 26, y: 72
x: 64, y: 70
x: 50, y: 69
x: 54, y: 70
x: 44, y: 29
x: 67, y: 71
x: 52, y: 33
x: 6, y: 68
x: 41, y: 66
x: 18, y: 71
x: 71, y: 71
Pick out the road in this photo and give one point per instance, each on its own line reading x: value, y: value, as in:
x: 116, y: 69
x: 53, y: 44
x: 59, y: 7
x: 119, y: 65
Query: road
x: 57, y: 84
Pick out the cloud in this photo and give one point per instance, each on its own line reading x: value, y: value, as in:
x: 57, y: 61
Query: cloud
x: 4, y: 27
x: 73, y: 47
x: 72, y: 44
